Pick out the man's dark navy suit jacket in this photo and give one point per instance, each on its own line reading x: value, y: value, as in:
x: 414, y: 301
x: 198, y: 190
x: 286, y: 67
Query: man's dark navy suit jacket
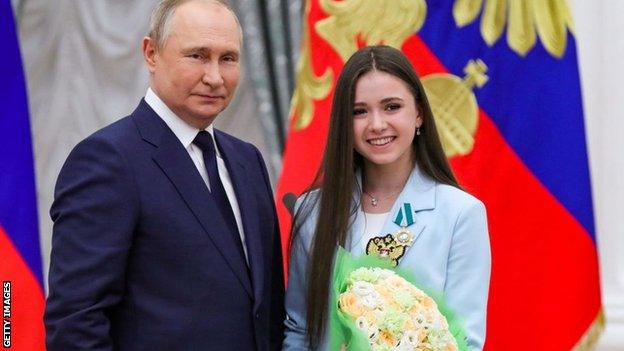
x: 141, y: 258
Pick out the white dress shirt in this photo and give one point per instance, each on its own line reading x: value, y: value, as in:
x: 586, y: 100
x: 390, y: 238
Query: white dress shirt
x: 186, y: 134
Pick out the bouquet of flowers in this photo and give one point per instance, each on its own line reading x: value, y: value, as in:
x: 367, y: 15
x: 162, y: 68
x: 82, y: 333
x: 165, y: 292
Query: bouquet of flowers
x: 375, y: 308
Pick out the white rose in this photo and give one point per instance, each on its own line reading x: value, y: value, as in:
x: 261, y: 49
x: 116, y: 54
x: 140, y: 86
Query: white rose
x: 366, y: 293
x: 362, y: 289
x: 372, y: 300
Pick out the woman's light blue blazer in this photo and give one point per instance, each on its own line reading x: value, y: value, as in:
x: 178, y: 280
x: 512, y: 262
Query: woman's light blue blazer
x: 451, y: 254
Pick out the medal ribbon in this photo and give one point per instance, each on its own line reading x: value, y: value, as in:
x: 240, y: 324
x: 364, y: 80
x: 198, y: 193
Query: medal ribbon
x: 409, y: 219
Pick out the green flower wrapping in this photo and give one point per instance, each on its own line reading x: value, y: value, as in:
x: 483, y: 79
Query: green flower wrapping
x: 377, y: 307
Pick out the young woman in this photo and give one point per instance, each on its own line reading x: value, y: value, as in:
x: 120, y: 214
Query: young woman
x: 385, y: 172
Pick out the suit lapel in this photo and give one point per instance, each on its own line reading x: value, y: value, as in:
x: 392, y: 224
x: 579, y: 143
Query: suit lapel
x: 248, y: 206
x: 175, y: 162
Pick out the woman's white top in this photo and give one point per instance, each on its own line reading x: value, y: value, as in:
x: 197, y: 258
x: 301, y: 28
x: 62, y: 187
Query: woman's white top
x: 373, y: 225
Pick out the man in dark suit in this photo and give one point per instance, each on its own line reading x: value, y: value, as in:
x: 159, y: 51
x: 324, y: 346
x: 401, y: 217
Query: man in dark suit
x: 165, y: 233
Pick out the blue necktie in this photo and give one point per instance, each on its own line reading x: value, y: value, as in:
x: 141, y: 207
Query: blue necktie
x: 204, y: 141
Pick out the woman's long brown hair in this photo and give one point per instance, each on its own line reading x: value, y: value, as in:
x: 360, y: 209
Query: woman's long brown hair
x: 336, y: 176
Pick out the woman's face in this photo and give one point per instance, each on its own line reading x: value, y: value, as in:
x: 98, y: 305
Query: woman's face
x: 385, y: 119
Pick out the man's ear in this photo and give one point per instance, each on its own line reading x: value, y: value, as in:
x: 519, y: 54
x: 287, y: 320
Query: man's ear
x: 149, y: 53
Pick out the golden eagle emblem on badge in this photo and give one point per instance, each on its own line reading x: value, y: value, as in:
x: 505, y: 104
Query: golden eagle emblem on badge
x: 386, y: 247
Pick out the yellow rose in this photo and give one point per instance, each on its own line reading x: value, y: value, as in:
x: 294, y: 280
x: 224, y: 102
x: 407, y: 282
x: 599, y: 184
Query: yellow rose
x: 371, y: 317
x: 409, y: 324
x: 384, y: 293
x: 349, y: 304
x: 394, y: 282
x: 386, y: 338
x: 428, y: 302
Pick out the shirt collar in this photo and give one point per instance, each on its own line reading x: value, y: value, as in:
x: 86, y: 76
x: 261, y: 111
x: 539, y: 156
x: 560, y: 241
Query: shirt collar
x: 182, y: 130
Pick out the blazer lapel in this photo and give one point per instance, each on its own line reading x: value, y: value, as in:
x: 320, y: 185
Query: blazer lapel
x: 419, y: 193
x: 175, y: 162
x: 248, y: 206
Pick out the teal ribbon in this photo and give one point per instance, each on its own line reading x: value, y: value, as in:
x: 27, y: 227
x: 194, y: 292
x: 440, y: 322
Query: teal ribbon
x: 409, y: 218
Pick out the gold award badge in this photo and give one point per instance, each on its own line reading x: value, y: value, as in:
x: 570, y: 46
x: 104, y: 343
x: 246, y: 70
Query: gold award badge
x: 394, y: 246
x: 403, y: 237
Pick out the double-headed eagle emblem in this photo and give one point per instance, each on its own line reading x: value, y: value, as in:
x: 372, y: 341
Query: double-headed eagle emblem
x: 353, y: 23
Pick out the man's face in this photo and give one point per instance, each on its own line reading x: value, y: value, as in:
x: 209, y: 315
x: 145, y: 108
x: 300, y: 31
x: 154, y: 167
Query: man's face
x: 197, y: 70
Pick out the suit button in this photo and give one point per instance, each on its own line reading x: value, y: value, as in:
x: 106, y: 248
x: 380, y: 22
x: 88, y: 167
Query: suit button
x: 257, y: 315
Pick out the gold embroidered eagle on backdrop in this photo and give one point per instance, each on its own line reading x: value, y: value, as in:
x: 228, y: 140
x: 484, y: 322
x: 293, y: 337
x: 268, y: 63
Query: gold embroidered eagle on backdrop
x: 391, y: 22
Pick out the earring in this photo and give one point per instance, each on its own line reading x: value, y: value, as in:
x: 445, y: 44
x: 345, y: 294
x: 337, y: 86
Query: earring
x: 417, y: 130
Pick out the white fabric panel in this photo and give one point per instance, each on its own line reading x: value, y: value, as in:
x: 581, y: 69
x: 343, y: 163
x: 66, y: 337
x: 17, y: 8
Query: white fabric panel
x: 599, y: 25
x: 83, y: 71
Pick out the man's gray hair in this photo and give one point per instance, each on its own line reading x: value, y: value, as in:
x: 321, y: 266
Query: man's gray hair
x: 160, y: 20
